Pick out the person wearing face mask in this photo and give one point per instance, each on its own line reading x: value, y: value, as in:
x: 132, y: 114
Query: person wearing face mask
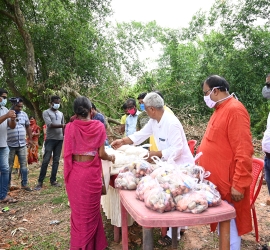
x: 170, y: 137
x: 131, y: 120
x: 227, y: 153
x: 33, y: 149
x: 266, y: 139
x: 16, y: 140
x: 54, y: 120
x: 7, y: 118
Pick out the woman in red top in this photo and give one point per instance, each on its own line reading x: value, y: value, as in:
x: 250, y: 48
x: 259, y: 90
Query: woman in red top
x: 33, y: 149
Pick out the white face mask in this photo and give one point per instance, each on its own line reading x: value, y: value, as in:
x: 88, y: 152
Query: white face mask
x: 4, y: 102
x: 56, y: 106
x: 210, y: 103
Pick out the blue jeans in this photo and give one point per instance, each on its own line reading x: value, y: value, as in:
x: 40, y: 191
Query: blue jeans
x: 267, y: 172
x: 55, y: 147
x: 4, y: 172
x: 21, y: 153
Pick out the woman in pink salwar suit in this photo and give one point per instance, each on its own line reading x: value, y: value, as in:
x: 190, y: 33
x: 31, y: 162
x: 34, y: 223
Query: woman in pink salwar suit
x: 83, y: 151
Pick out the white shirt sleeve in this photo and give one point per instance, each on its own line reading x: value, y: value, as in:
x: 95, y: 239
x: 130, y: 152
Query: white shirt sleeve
x: 266, y: 137
x: 143, y: 134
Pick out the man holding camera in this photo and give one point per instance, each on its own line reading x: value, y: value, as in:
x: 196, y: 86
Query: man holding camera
x: 16, y: 140
x: 7, y: 118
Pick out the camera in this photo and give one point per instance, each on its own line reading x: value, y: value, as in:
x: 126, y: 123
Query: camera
x: 14, y: 100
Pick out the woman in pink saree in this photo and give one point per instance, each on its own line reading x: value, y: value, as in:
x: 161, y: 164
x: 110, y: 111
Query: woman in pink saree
x: 83, y: 151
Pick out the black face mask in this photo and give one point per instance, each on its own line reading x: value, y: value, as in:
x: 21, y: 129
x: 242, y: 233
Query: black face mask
x: 267, y: 84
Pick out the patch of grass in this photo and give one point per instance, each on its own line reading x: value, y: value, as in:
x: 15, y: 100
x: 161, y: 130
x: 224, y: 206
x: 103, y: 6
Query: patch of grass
x: 60, y: 209
x: 50, y: 190
x: 52, y: 241
x: 59, y: 199
x: 181, y: 245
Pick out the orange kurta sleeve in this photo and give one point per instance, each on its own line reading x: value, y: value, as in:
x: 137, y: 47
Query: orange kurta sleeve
x: 241, y: 144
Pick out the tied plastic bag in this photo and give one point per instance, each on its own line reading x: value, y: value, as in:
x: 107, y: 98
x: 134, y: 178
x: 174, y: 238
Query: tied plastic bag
x: 159, y: 200
x: 180, y: 183
x: 193, y: 202
x: 143, y: 168
x: 212, y: 195
x: 161, y: 172
x: 139, y: 168
x: 125, y: 180
x: 145, y: 184
x: 194, y: 171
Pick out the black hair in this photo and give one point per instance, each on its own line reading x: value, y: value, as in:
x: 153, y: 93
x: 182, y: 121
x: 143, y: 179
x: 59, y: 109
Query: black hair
x: 82, y: 106
x: 142, y: 95
x: 55, y: 97
x: 159, y: 93
x: 94, y: 106
x: 131, y: 100
x: 31, y: 116
x: 2, y: 91
x: 217, y: 81
x: 124, y: 106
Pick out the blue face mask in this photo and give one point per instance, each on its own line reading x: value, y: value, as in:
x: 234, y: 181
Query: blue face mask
x: 4, y: 102
x: 142, y: 107
x: 56, y: 106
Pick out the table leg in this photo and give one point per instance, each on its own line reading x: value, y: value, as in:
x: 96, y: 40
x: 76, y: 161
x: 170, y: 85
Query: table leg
x: 224, y: 235
x: 116, y: 233
x: 124, y: 228
x: 174, y: 237
x: 148, y: 238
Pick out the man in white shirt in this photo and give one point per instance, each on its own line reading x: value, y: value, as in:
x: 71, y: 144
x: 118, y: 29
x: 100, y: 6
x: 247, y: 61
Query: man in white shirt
x: 169, y: 136
x: 7, y: 118
x: 266, y: 139
x: 167, y: 130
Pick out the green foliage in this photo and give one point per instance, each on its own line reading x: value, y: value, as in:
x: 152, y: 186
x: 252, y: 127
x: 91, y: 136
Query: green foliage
x: 78, y: 52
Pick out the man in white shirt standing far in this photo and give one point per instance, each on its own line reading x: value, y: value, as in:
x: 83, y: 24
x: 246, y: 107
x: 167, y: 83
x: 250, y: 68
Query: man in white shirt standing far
x: 266, y: 139
x: 169, y: 136
x: 7, y: 118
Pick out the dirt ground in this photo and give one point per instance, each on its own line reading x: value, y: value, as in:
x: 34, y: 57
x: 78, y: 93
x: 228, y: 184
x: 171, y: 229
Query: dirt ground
x: 40, y: 220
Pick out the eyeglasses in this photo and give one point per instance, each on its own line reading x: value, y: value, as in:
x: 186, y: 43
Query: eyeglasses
x: 19, y: 106
x: 4, y: 97
x: 218, y: 87
x: 205, y: 92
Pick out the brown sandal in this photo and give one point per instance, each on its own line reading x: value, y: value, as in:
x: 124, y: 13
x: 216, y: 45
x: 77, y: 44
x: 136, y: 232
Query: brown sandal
x: 165, y: 241
x: 8, y: 199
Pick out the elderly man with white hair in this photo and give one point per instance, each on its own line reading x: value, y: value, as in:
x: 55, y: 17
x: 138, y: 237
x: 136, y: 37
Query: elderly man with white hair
x: 168, y: 133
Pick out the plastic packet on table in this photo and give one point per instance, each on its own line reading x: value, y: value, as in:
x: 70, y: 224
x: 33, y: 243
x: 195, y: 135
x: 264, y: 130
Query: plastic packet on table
x: 145, y: 184
x: 162, y: 171
x: 139, y: 167
x: 212, y: 195
x: 159, y: 200
x: 125, y: 180
x: 193, y: 202
x: 180, y: 183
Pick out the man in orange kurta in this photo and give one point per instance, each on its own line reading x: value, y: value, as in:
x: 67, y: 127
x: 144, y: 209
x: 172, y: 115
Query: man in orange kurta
x: 227, y: 151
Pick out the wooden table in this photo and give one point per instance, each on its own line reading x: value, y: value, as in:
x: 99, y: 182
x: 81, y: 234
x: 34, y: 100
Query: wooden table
x: 149, y: 219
